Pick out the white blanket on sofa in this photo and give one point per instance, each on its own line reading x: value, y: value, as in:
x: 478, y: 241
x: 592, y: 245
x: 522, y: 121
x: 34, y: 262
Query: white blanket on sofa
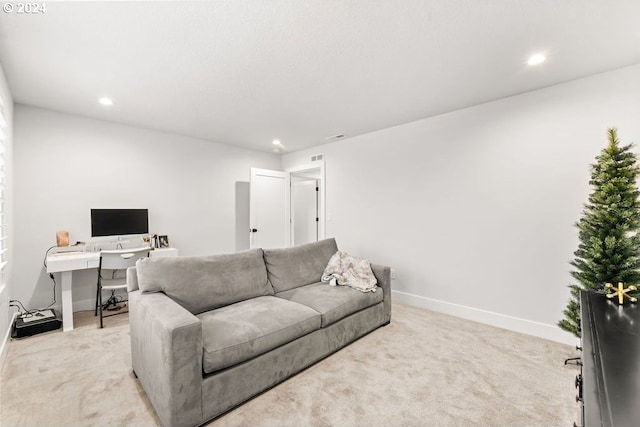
x: 350, y: 271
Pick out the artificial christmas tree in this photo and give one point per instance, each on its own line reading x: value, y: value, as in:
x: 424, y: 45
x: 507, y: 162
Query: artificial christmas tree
x: 609, y: 249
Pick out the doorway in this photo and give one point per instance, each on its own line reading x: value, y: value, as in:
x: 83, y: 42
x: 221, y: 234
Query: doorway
x: 284, y: 208
x: 307, y: 203
x: 304, y: 210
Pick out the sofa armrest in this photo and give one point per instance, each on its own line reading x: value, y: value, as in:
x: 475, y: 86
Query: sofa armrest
x: 166, y: 353
x: 132, y: 279
x: 383, y: 276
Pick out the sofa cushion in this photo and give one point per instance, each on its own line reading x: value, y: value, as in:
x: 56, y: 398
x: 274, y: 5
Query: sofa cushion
x: 332, y: 302
x: 244, y: 330
x: 204, y: 283
x: 301, y: 265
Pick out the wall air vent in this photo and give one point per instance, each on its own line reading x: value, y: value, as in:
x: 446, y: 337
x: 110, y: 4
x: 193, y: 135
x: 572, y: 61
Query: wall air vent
x: 317, y: 157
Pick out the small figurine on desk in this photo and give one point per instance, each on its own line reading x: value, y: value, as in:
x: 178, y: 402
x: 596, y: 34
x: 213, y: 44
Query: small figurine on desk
x: 62, y: 238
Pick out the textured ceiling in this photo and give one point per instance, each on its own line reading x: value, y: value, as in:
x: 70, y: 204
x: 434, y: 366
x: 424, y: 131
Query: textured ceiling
x: 245, y: 72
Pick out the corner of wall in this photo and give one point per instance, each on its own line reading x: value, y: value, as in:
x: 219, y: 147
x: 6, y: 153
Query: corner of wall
x: 6, y: 320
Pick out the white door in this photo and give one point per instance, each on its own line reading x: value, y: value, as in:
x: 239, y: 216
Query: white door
x: 269, y: 210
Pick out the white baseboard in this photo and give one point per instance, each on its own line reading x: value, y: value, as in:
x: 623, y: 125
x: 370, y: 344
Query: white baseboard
x: 537, y: 329
x: 5, y: 340
x: 83, y: 305
x: 88, y: 304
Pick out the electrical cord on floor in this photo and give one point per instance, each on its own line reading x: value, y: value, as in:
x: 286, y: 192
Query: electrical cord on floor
x: 114, y: 303
x: 114, y: 300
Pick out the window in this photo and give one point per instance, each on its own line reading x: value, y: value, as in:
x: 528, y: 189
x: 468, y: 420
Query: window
x: 3, y: 161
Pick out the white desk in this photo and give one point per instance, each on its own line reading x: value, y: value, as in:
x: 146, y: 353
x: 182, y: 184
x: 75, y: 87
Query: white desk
x: 66, y: 264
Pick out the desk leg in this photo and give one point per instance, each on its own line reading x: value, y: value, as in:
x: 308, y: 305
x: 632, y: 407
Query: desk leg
x: 67, y: 301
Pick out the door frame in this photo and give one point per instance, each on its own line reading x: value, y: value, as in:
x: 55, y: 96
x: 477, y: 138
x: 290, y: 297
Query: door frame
x: 322, y: 199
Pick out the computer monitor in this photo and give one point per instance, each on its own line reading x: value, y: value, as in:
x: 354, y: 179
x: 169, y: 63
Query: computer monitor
x: 119, y: 222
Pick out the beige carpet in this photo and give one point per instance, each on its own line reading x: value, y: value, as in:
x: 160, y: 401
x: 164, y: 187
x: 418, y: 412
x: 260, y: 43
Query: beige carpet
x: 425, y: 369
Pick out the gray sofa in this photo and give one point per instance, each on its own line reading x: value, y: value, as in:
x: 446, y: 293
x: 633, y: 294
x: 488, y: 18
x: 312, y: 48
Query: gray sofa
x: 208, y: 333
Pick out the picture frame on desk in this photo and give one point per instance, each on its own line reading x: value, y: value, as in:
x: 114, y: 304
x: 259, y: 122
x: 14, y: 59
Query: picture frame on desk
x: 149, y: 241
x: 163, y: 241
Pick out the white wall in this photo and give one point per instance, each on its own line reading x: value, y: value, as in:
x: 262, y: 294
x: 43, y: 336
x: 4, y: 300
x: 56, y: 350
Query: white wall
x: 475, y: 208
x: 65, y: 165
x: 6, y: 281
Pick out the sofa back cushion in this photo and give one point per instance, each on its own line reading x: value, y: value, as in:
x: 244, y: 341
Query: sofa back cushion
x: 204, y: 283
x: 299, y: 265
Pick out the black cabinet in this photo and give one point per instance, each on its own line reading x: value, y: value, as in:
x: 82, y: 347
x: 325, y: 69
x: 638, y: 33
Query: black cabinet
x: 609, y: 385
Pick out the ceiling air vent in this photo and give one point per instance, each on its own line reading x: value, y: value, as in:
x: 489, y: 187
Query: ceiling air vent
x: 317, y: 157
x: 334, y: 137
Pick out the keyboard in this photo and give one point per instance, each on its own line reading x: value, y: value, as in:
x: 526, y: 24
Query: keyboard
x: 67, y: 253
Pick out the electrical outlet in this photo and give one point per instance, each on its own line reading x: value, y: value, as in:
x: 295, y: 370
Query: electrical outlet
x: 393, y: 273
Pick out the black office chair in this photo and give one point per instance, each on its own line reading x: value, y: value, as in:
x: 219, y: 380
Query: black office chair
x: 112, y: 274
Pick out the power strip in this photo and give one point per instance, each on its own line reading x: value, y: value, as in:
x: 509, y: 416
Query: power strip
x: 39, y: 315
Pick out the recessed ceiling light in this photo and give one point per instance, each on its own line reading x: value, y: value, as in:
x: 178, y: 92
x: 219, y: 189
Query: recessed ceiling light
x: 276, y: 142
x: 105, y: 101
x: 537, y: 59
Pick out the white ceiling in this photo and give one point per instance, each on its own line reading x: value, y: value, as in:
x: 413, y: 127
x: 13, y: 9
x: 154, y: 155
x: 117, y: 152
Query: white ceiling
x: 244, y: 72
